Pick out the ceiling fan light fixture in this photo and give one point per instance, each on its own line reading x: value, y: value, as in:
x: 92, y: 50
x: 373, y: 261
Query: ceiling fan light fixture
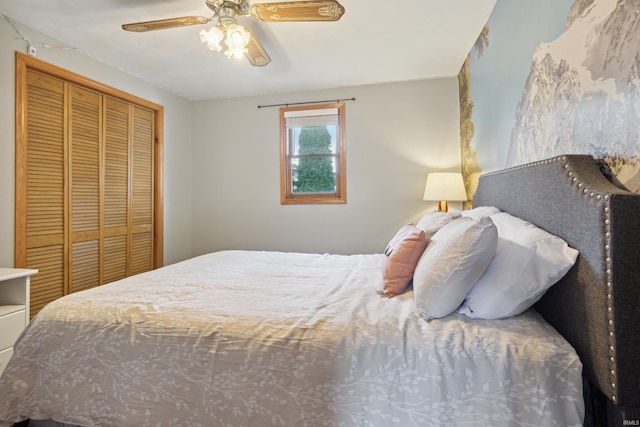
x: 212, y: 38
x: 237, y: 39
x: 240, y: 41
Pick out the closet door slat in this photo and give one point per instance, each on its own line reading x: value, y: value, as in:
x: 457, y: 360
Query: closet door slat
x: 116, y: 190
x: 45, y: 171
x: 85, y: 115
x: 116, y: 150
x: 142, y: 191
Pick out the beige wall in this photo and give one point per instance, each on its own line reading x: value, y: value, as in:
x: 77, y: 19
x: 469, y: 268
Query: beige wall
x: 396, y: 134
x: 177, y: 214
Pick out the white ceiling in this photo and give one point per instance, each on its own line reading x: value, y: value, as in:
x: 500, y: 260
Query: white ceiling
x: 376, y: 41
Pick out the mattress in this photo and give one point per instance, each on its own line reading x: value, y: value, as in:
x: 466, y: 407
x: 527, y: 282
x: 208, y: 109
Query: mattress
x: 242, y: 338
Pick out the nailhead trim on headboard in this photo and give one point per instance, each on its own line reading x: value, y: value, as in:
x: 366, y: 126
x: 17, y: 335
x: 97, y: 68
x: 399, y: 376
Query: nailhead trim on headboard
x: 607, y: 267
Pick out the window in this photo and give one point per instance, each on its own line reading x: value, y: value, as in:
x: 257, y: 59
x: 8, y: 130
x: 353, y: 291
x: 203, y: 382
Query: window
x: 312, y: 154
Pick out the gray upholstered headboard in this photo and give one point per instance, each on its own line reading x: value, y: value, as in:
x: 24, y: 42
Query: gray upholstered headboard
x: 596, y: 306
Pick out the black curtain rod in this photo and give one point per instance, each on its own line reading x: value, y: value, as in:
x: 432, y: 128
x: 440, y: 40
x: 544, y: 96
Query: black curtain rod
x: 309, y: 102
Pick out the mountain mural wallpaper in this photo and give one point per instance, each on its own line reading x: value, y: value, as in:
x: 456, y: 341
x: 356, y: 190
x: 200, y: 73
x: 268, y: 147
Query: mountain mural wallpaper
x: 534, y: 87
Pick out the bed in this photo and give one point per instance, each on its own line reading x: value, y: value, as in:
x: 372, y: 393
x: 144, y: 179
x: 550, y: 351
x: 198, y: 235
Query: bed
x: 246, y: 338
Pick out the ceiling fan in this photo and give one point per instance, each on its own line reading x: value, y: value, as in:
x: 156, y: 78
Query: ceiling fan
x: 240, y: 40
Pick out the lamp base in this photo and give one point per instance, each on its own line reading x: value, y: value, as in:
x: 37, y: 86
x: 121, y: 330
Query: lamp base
x: 443, y: 206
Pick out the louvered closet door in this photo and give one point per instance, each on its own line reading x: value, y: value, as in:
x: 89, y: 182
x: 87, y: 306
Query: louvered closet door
x: 116, y: 190
x: 85, y: 193
x: 142, y: 191
x: 84, y: 179
x: 45, y: 188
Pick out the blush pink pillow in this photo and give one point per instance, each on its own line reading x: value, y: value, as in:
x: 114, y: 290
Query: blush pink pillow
x: 403, y: 253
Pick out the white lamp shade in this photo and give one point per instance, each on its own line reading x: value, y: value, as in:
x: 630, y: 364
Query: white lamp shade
x: 445, y: 186
x: 212, y: 38
x: 237, y: 39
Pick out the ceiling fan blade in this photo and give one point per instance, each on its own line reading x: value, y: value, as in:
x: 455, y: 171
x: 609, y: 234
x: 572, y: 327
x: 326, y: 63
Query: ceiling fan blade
x: 162, y: 24
x: 256, y: 54
x: 297, y: 11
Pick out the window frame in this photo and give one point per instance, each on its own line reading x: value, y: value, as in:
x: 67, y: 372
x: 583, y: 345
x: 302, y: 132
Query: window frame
x: 287, y: 196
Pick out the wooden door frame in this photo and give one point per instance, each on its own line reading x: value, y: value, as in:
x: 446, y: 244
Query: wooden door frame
x: 23, y: 64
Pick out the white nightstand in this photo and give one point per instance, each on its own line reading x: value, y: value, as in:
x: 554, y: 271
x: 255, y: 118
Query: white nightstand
x: 14, y: 308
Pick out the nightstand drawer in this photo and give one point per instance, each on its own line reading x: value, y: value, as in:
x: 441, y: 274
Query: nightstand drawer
x: 5, y: 355
x: 11, y: 326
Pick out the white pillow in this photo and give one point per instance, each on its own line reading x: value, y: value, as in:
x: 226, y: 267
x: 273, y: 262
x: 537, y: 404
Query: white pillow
x: 528, y: 261
x: 434, y: 221
x: 455, y: 258
x: 480, y: 211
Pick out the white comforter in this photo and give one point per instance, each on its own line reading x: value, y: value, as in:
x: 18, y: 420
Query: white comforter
x: 240, y: 338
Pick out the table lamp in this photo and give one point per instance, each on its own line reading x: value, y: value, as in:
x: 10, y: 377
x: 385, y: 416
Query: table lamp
x: 444, y: 187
